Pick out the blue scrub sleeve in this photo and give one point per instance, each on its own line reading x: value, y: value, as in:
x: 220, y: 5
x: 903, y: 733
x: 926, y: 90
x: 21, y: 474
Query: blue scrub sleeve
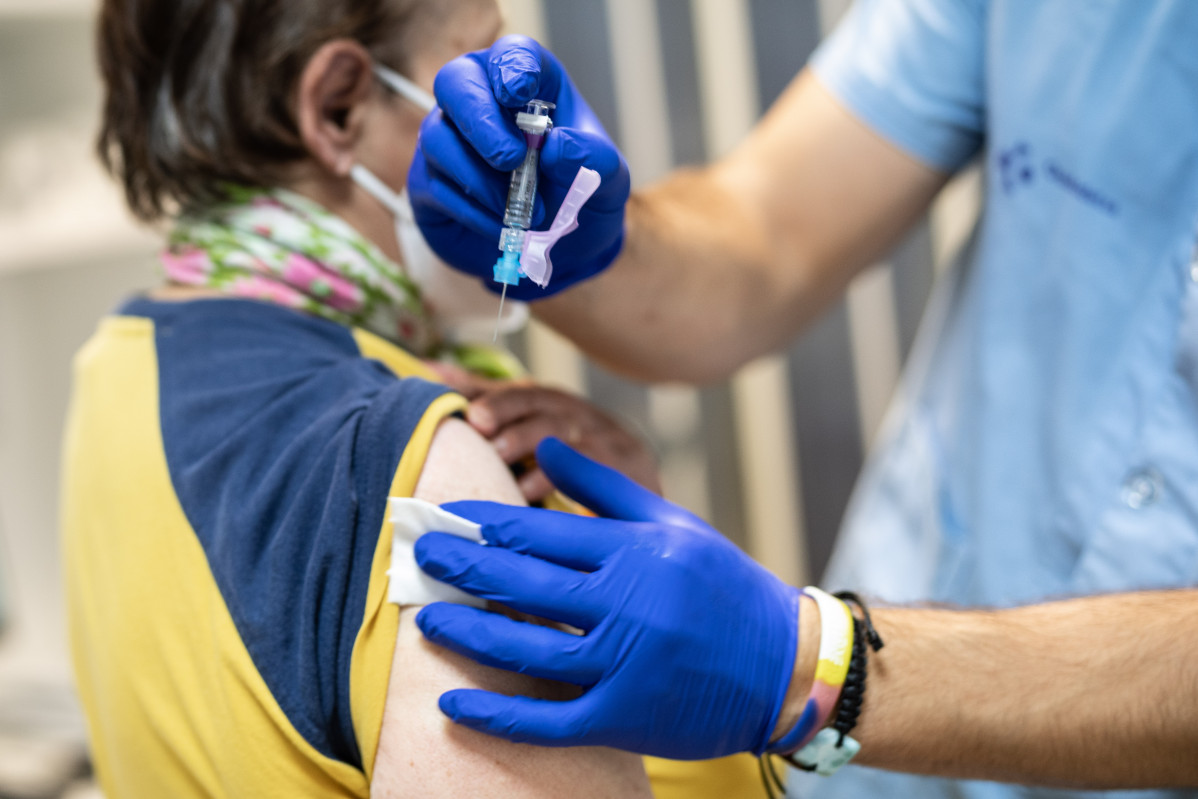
x: 914, y: 71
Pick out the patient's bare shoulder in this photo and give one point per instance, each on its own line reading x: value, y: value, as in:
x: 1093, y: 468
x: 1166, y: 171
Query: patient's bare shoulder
x: 461, y: 464
x: 421, y: 753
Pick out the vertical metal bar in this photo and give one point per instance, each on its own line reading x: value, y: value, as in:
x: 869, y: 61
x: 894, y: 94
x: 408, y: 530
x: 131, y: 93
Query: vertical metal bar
x: 526, y: 17
x: 873, y: 326
x: 640, y: 88
x: 762, y: 399
x: 580, y: 37
x: 826, y: 429
x: 785, y: 32
x: 830, y: 11
x: 716, y: 445
x: 677, y: 33
x: 638, y: 66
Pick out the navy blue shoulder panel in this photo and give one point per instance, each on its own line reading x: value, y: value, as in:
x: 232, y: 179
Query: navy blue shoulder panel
x: 282, y: 443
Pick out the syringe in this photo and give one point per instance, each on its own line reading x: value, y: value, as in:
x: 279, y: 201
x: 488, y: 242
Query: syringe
x: 534, y: 121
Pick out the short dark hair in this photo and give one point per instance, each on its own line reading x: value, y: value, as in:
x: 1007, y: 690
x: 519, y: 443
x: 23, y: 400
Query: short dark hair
x: 185, y: 110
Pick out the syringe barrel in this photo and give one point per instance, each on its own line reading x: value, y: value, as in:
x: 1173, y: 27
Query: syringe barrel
x: 522, y: 192
x: 534, y: 122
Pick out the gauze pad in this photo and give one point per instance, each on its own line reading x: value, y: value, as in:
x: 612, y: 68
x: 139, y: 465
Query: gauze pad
x: 408, y: 585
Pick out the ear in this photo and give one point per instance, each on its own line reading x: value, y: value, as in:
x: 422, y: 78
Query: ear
x: 333, y: 90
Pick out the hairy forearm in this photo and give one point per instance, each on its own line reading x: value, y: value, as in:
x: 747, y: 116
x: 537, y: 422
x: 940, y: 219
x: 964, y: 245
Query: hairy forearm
x: 727, y: 263
x: 1096, y: 693
x: 675, y: 305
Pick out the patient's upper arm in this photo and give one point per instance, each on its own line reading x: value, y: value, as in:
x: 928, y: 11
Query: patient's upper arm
x: 421, y: 752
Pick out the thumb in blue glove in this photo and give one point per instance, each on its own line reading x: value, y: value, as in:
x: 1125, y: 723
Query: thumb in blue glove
x: 687, y: 645
x: 468, y: 147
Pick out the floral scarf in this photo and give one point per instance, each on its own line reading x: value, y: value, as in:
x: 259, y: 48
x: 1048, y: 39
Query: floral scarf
x: 277, y: 246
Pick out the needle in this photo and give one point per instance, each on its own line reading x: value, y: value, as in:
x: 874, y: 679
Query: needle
x: 499, y: 318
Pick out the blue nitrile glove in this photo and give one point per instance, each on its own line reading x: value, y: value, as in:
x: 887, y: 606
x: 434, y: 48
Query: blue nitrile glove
x: 470, y: 145
x: 688, y: 645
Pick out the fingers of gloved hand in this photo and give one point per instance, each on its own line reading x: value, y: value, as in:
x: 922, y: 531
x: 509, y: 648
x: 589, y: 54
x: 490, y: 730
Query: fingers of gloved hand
x: 496, y: 640
x: 463, y: 90
x: 515, y: 70
x: 518, y: 718
x: 436, y: 202
x: 528, y: 584
x: 552, y: 83
x: 600, y: 488
x: 575, y: 542
x: 451, y: 160
x: 568, y: 149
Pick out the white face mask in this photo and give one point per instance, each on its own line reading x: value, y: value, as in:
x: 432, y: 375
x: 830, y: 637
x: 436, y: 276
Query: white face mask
x: 463, y: 310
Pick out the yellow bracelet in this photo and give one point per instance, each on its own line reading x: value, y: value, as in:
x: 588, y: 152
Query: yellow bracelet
x: 835, y: 653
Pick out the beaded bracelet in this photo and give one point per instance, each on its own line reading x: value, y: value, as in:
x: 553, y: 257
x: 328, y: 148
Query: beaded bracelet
x: 853, y: 695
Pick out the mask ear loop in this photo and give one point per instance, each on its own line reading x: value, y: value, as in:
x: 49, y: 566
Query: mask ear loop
x: 405, y: 88
x: 397, y: 204
x: 408, y: 90
x: 381, y: 192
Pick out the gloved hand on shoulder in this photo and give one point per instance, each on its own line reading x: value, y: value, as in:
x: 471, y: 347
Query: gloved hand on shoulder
x: 687, y: 645
x: 470, y: 144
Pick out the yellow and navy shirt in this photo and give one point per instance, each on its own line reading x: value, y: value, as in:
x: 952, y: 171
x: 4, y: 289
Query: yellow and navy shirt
x: 227, y: 468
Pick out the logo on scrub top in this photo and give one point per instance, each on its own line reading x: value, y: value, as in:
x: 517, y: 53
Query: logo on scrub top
x: 1018, y: 169
x: 1015, y: 167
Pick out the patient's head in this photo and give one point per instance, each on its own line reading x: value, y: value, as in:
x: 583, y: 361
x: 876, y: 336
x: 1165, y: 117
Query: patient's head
x: 271, y: 93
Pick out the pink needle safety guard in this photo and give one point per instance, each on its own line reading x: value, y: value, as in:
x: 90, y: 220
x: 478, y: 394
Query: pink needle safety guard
x: 534, y: 259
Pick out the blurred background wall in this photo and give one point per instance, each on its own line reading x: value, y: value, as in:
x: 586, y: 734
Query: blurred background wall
x: 770, y: 457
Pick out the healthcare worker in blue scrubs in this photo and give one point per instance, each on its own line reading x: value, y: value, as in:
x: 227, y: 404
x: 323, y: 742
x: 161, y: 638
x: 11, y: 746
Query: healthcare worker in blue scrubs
x: 1045, y: 444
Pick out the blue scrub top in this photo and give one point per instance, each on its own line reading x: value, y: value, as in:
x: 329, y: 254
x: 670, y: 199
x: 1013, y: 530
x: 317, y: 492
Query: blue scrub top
x: 1045, y: 439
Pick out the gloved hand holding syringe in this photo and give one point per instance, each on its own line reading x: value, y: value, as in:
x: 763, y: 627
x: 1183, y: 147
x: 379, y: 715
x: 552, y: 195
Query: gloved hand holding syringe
x: 468, y: 149
x: 524, y: 253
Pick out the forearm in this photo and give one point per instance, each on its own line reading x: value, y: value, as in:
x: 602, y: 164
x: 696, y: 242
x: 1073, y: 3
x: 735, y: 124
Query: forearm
x: 675, y: 304
x: 727, y: 263
x: 1096, y: 693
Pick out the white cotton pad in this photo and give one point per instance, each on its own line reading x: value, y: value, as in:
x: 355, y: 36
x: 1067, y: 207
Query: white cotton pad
x: 409, y: 585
